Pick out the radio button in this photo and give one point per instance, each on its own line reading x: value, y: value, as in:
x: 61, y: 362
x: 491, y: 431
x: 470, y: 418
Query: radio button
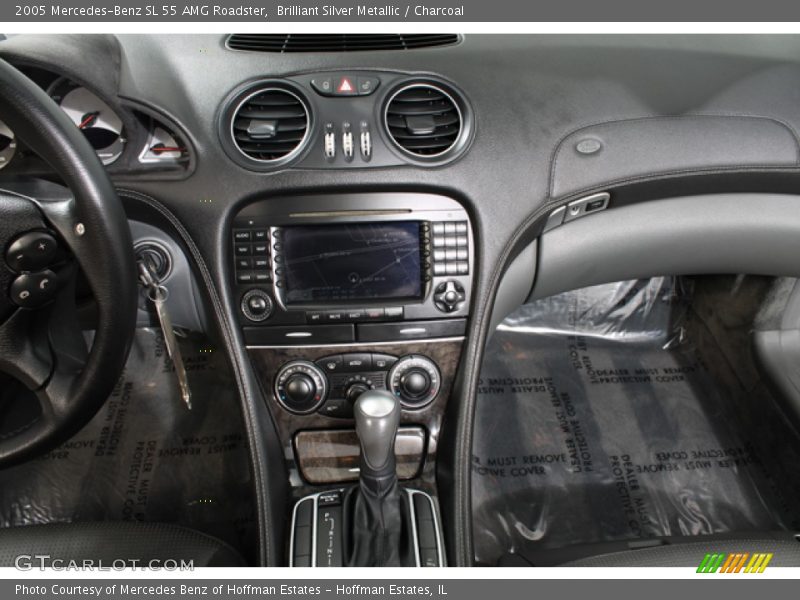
x: 461, y: 227
x: 263, y: 277
x: 438, y: 228
x: 355, y: 314
x: 449, y: 297
x: 439, y: 241
x: 439, y: 269
x: 461, y: 241
x: 394, y: 313
x: 462, y: 254
x: 241, y: 236
x: 245, y: 277
x: 450, y: 242
x: 374, y: 314
x: 242, y: 249
x: 261, y: 263
x: 333, y: 316
x: 450, y: 254
x: 314, y: 317
x: 261, y: 249
x: 439, y: 254
x: 261, y: 235
x: 243, y: 263
x: 449, y: 228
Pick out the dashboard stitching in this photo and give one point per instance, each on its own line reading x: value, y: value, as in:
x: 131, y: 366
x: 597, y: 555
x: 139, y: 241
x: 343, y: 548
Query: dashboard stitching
x: 224, y: 325
x: 560, y: 144
x: 605, y: 185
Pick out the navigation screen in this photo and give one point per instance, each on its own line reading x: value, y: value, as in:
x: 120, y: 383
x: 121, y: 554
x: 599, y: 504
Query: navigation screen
x: 369, y: 261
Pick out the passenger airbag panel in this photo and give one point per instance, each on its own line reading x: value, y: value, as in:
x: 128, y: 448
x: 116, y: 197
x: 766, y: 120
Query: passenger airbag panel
x: 620, y: 151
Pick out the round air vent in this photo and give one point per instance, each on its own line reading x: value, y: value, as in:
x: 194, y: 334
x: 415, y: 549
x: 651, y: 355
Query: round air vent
x: 270, y: 125
x: 426, y: 121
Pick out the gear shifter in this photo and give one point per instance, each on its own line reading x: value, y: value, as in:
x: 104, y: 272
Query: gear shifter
x: 374, y: 524
x: 377, y: 416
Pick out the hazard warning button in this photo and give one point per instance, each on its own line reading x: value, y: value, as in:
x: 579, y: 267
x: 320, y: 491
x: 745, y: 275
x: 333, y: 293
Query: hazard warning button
x: 346, y: 86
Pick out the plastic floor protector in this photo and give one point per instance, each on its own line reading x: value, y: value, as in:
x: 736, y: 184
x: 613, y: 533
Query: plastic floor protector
x: 597, y: 420
x: 145, y: 457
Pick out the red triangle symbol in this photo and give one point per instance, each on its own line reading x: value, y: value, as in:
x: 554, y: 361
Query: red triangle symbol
x: 345, y: 85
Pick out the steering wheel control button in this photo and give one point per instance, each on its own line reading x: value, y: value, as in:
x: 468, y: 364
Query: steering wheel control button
x: 449, y: 296
x: 415, y: 380
x: 257, y: 305
x: 31, y: 251
x: 301, y: 387
x: 33, y: 290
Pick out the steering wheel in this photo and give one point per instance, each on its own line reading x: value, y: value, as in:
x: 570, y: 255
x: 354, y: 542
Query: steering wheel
x: 46, y: 232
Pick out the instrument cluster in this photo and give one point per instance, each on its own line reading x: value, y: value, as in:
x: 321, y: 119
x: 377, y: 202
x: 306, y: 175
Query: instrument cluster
x: 127, y: 139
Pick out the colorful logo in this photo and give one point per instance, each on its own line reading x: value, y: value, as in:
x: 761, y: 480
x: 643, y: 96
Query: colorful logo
x: 738, y: 562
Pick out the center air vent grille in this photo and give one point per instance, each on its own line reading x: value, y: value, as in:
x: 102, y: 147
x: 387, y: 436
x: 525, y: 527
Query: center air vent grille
x: 352, y: 42
x: 270, y: 125
x: 423, y: 120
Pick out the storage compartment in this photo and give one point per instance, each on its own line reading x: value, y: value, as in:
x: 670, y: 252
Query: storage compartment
x: 630, y: 410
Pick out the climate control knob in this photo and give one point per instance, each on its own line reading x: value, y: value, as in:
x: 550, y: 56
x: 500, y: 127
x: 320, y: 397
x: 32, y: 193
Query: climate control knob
x: 354, y: 390
x: 415, y: 380
x: 301, y: 387
x: 415, y: 383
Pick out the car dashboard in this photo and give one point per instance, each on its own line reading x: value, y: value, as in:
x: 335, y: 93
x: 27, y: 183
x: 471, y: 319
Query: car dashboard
x: 348, y: 218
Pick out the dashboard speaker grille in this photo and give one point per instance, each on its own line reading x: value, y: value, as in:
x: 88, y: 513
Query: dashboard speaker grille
x: 347, y: 42
x: 423, y: 120
x: 270, y: 124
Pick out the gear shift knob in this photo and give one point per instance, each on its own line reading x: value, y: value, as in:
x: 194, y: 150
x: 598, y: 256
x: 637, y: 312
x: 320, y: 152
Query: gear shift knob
x: 377, y: 415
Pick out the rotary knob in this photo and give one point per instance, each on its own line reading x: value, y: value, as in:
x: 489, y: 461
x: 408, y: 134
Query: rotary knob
x: 301, y: 387
x: 415, y: 380
x: 415, y: 383
x: 257, y: 305
x: 354, y: 390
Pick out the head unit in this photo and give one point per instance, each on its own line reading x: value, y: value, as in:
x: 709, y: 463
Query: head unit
x: 344, y: 268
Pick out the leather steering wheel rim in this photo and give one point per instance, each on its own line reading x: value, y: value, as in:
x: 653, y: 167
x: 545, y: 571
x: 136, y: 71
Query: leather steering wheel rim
x: 92, y: 223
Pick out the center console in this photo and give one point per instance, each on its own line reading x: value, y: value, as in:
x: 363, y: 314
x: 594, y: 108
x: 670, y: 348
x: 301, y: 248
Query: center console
x: 342, y: 296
